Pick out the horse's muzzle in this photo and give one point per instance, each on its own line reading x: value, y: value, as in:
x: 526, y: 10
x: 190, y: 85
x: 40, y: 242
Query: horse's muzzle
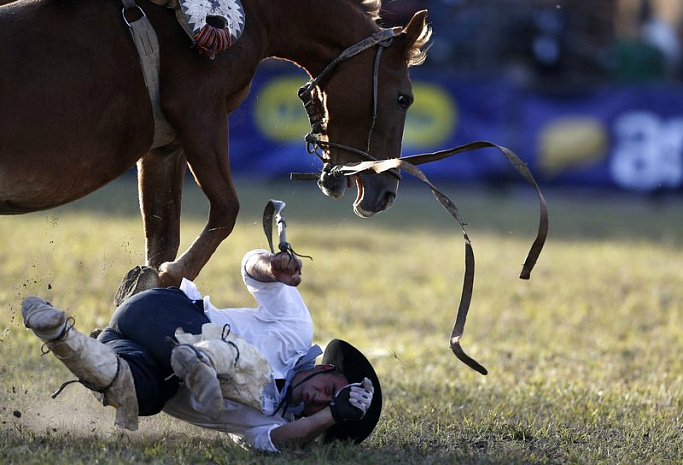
x: 376, y: 193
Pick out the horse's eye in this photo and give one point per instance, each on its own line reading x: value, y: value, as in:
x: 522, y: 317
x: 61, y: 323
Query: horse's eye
x: 404, y: 101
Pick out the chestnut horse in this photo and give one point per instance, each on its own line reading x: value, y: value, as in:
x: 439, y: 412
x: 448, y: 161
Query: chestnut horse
x: 75, y: 112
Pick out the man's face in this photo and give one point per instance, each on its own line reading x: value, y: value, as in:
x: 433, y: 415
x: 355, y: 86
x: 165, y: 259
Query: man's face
x: 317, y: 392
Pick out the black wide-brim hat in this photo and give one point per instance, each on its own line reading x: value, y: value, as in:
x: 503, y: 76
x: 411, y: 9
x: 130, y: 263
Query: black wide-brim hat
x: 355, y: 366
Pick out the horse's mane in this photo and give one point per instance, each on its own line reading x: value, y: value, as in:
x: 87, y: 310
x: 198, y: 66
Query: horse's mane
x: 416, y: 54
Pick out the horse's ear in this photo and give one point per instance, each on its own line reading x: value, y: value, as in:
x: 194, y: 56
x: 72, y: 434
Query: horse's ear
x: 416, y: 28
x: 416, y: 34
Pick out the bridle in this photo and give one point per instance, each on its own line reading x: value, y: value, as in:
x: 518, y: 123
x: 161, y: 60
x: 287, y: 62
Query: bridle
x: 315, y: 110
x: 315, y: 107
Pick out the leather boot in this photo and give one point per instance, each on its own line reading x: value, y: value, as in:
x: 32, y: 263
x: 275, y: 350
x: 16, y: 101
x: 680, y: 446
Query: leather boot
x: 196, y: 371
x: 95, y: 364
x: 242, y: 371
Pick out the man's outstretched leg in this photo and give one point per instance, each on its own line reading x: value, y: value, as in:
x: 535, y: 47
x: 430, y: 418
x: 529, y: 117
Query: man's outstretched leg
x: 96, y: 365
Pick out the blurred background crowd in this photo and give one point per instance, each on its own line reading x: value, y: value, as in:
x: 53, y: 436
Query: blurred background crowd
x: 553, y: 41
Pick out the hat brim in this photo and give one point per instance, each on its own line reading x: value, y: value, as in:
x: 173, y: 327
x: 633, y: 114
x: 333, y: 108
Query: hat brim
x: 355, y: 366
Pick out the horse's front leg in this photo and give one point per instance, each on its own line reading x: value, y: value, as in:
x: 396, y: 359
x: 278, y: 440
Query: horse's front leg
x: 207, y: 155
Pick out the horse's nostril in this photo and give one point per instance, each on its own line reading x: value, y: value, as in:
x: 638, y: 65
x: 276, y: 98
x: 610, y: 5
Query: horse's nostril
x: 389, y: 198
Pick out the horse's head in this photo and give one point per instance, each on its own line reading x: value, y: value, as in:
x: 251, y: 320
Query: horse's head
x: 358, y: 108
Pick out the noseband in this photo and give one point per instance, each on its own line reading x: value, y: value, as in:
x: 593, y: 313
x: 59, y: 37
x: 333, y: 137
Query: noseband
x: 315, y: 108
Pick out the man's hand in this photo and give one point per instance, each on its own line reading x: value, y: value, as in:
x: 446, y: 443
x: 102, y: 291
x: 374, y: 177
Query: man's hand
x: 352, y: 401
x: 286, y: 268
x: 280, y: 267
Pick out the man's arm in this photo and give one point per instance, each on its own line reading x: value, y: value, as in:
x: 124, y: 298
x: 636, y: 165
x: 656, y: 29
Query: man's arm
x: 300, y: 432
x: 280, y: 267
x: 350, y: 403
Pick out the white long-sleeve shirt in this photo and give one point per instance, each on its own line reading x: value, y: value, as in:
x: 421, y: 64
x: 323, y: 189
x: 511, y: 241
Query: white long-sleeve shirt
x: 280, y: 327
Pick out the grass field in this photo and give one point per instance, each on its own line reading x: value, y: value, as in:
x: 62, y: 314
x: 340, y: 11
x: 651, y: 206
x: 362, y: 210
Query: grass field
x: 585, y: 359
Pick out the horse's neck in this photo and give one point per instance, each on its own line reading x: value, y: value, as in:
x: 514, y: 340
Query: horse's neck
x: 304, y: 32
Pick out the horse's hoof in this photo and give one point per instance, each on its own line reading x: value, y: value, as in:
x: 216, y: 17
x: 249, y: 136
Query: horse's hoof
x: 137, y: 280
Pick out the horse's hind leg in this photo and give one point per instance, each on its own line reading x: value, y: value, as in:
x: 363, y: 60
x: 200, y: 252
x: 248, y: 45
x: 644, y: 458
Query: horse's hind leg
x: 161, y: 174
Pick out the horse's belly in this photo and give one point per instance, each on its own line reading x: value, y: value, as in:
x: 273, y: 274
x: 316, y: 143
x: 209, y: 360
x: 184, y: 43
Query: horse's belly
x: 42, y: 181
x: 58, y: 153
x: 74, y: 110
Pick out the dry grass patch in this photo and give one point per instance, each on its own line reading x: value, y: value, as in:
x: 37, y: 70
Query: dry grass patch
x: 584, y: 359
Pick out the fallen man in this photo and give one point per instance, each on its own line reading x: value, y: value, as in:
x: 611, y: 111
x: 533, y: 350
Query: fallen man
x: 246, y: 371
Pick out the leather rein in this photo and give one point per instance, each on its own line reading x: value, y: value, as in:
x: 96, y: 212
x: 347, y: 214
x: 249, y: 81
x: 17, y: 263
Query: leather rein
x: 408, y: 164
x: 314, y: 145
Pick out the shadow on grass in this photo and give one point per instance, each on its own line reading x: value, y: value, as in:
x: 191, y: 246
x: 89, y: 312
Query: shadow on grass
x: 22, y: 447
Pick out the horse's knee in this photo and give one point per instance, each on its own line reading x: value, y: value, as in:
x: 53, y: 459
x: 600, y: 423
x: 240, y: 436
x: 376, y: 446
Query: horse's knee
x: 222, y: 219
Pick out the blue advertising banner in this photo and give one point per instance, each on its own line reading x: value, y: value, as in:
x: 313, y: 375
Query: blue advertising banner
x: 622, y: 137
x: 630, y: 137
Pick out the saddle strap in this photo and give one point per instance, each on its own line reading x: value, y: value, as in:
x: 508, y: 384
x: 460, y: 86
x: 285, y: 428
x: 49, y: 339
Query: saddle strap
x: 147, y: 44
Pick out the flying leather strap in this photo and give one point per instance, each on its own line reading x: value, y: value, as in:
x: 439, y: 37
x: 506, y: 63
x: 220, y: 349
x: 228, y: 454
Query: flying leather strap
x: 273, y: 211
x: 147, y: 44
x: 408, y: 164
